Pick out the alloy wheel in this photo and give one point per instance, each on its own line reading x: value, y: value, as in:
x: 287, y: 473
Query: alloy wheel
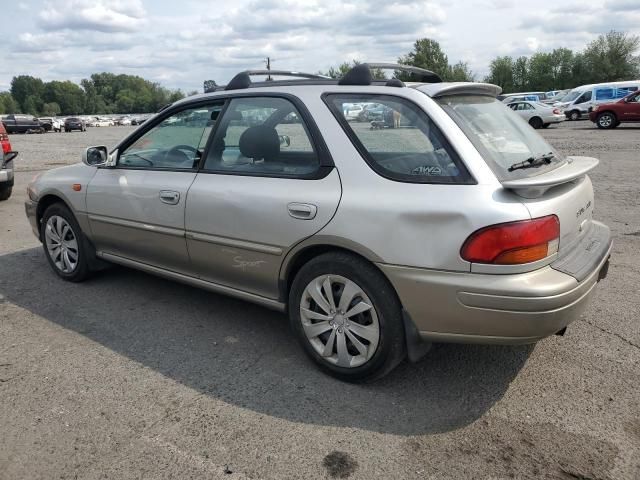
x: 605, y: 121
x: 62, y: 244
x: 339, y: 321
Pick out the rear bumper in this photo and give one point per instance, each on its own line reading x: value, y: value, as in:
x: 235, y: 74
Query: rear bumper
x: 483, y: 308
x: 554, y: 118
x: 6, y: 176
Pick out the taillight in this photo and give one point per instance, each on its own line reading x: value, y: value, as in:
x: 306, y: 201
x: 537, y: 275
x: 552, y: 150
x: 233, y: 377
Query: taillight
x: 514, y: 242
x: 556, y: 111
x: 4, y: 141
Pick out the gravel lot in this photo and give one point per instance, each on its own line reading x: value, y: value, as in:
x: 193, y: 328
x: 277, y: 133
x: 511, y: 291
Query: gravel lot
x: 131, y: 376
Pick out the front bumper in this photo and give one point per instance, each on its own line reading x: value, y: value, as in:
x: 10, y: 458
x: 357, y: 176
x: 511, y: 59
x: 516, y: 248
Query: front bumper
x: 31, y: 209
x: 504, y: 309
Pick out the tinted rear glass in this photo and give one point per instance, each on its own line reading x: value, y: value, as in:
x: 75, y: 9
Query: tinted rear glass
x: 501, y: 136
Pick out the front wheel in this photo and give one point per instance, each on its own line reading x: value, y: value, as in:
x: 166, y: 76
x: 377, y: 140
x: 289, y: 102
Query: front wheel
x: 574, y: 115
x: 347, y: 317
x: 606, y: 120
x: 64, y: 244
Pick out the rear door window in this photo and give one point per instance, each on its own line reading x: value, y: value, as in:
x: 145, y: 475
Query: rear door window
x: 400, y: 142
x: 262, y: 136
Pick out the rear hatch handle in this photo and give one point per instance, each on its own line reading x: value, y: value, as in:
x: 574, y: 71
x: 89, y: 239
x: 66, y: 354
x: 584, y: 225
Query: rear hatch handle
x: 534, y: 187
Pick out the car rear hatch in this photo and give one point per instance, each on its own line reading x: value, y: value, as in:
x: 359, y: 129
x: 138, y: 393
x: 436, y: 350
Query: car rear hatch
x: 566, y: 192
x: 546, y: 182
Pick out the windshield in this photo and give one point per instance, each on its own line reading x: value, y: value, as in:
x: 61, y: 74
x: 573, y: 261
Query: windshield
x: 571, y: 96
x: 499, y: 134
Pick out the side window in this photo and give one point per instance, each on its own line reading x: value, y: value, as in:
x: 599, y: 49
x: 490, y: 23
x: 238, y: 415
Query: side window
x: 262, y: 136
x: 402, y: 143
x: 585, y: 97
x: 528, y: 106
x: 177, y: 142
x: 604, y: 93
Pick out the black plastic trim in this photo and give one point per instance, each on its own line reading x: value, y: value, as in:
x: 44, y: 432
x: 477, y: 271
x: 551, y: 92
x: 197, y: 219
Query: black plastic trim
x: 465, y: 175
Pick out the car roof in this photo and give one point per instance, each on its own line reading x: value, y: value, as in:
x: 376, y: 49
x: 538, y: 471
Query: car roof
x: 357, y: 80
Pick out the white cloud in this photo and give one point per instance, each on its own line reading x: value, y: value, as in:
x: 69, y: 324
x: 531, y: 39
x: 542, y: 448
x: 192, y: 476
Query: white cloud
x: 99, y: 15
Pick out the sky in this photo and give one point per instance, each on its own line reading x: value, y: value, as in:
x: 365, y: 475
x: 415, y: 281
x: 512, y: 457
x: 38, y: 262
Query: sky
x: 181, y: 43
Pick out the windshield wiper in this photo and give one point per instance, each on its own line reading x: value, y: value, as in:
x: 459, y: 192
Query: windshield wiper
x: 533, y: 162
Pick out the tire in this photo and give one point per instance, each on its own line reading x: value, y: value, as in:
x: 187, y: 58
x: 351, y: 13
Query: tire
x: 385, y: 346
x: 574, y: 115
x: 5, y: 192
x: 606, y: 120
x: 546, y: 125
x: 65, y: 269
x: 535, y: 122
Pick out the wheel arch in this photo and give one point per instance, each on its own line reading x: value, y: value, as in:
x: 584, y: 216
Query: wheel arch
x: 307, y: 250
x: 611, y: 112
x: 46, y: 201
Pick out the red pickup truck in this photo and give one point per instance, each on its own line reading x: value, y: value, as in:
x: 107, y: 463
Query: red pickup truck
x: 610, y: 115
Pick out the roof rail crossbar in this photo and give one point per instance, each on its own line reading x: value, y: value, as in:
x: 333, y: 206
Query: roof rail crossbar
x: 243, y: 79
x: 287, y: 73
x: 361, y: 73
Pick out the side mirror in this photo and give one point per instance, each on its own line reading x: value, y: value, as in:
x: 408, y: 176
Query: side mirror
x: 95, y: 156
x: 285, y: 140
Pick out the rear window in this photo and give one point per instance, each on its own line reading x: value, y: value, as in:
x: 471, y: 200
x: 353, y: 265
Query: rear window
x: 397, y: 139
x: 501, y: 136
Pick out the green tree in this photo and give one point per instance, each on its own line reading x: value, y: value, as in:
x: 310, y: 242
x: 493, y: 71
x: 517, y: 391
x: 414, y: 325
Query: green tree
x: 30, y: 105
x: 68, y: 95
x: 612, y: 57
x: 51, y: 109
x: 426, y: 54
x: 521, y: 74
x: 501, y: 73
x: 459, y: 72
x: 24, y: 86
x: 8, y: 104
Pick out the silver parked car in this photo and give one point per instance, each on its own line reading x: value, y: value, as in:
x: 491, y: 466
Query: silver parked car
x: 538, y: 114
x: 455, y: 223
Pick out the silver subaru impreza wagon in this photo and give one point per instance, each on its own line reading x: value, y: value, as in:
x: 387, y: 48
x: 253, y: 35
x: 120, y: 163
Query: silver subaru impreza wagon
x: 432, y: 214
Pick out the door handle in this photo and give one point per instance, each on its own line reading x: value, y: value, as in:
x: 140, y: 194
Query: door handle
x: 302, y: 211
x: 170, y: 197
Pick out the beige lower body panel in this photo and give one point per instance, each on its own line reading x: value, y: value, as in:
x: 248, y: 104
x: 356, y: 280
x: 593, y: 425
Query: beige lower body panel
x: 484, y: 308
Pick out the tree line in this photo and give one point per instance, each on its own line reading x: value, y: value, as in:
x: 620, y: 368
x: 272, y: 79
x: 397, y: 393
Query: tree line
x: 610, y: 57
x: 102, y: 93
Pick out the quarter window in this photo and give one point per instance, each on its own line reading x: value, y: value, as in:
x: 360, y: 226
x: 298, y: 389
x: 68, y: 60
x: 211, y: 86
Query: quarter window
x: 400, y: 141
x: 262, y: 136
x: 176, y: 143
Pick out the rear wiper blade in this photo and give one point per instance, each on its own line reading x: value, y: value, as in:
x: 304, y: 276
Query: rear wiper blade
x: 533, y: 162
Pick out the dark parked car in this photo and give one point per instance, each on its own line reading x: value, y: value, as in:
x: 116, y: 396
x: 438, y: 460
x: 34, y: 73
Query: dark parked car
x: 610, y: 115
x: 22, y: 124
x: 74, y: 123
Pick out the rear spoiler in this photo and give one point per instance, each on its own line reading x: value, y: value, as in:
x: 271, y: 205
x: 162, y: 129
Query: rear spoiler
x: 534, y: 187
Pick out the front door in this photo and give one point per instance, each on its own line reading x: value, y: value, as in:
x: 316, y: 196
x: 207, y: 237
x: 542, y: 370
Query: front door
x: 267, y: 184
x: 136, y: 210
x: 632, y: 109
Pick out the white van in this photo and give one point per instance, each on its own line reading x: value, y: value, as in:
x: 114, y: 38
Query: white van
x: 580, y: 101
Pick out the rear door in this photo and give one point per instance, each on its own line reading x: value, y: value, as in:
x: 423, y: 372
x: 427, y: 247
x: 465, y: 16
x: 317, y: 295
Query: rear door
x: 136, y: 210
x: 267, y: 183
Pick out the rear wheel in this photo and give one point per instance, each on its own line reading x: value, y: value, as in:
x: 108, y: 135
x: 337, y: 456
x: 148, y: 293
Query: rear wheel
x: 607, y: 120
x: 535, y: 122
x: 347, y: 317
x: 5, y: 192
x: 64, y: 244
x: 546, y: 125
